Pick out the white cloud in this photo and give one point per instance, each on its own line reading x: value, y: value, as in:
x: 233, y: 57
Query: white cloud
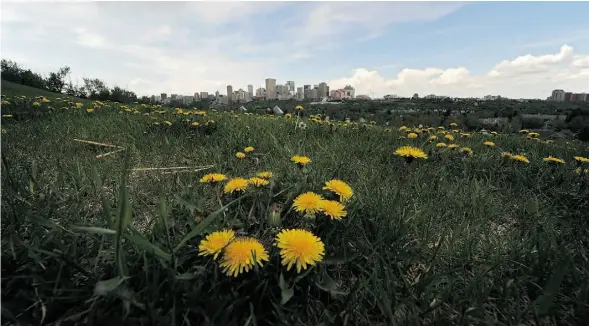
x: 526, y: 76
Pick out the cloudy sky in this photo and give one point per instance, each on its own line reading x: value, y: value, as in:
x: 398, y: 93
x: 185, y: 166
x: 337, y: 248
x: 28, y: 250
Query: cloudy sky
x: 517, y: 50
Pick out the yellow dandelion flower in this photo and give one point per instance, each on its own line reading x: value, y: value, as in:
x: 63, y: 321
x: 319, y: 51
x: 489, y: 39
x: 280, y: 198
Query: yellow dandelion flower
x: 213, y: 177
x: 453, y: 146
x: 308, y: 203
x: 409, y: 153
x: 453, y: 124
x: 334, y: 209
x: 240, y: 155
x: 340, y: 188
x: 489, y: 143
x: 581, y: 159
x: 441, y: 127
x: 533, y: 135
x: 214, y: 243
x: 466, y: 150
x: 403, y: 128
x: 36, y: 104
x: 449, y: 137
x: 241, y: 255
x: 551, y: 159
x: 7, y: 116
x: 195, y: 124
x: 412, y: 135
x: 264, y: 174
x: 89, y: 110
x: 506, y: 154
x: 524, y: 131
x: 258, y: 182
x: 441, y: 145
x: 235, y: 184
x: 288, y: 116
x: 300, y: 160
x: 248, y: 149
x: 168, y: 123
x: 432, y: 138
x: 520, y: 158
x: 299, y: 247
x: 299, y: 108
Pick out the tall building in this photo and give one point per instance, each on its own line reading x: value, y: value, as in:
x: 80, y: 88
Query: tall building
x: 240, y: 95
x: 204, y: 95
x: 164, y: 96
x: 557, y: 95
x: 300, y: 93
x: 270, y: 88
x: 314, y: 93
x: 174, y: 96
x: 291, y: 85
x: 217, y: 95
x: 229, y: 93
x: 322, y: 90
x: 568, y: 96
x: 327, y: 93
x: 250, y: 90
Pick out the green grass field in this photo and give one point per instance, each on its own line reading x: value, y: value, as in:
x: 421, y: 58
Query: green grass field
x: 452, y: 239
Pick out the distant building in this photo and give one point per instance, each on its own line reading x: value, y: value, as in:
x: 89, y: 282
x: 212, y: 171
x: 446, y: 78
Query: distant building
x: 204, y: 95
x: 300, y: 94
x: 347, y: 92
x: 557, y: 95
x: 250, y: 90
x: 229, y: 94
x: 568, y: 96
x: 314, y: 93
x: 164, y: 96
x: 217, y: 95
x: 363, y: 97
x: 270, y: 88
x: 322, y: 90
x: 174, y: 96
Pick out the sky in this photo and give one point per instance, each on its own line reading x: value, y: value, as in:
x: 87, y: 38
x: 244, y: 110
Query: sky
x: 512, y: 49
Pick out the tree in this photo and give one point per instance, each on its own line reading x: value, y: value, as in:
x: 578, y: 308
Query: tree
x: 56, y: 80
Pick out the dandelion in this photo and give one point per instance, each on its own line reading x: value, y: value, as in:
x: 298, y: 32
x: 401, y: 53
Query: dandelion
x: 89, y: 110
x: 195, y: 124
x: 412, y: 135
x: 248, y: 149
x: 36, y: 104
x: 7, y: 116
x: 264, y: 175
x: 308, y: 203
x: 580, y: 159
x: 432, y: 138
x: 410, y: 153
x: 403, y: 128
x: 453, y: 124
x: 441, y: 145
x: 334, y: 209
x: 299, y: 247
x: 506, y: 154
x: 214, y: 243
x: 524, y: 131
x: 168, y: 123
x: 466, y: 150
x: 533, y: 135
x: 235, y: 184
x: 241, y: 255
x: 520, y: 158
x: 453, y: 146
x: 240, y: 155
x: 449, y: 137
x: 299, y: 108
x: 213, y: 178
x: 340, y: 188
x: 553, y: 160
x: 258, y: 182
x: 288, y: 116
x: 489, y: 143
x: 300, y: 160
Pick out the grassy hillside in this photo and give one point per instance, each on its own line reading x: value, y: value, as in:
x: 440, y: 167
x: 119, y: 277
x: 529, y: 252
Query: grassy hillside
x: 451, y: 239
x: 13, y: 89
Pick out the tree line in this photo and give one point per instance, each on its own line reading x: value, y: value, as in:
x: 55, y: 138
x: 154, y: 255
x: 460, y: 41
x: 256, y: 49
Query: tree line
x: 92, y: 88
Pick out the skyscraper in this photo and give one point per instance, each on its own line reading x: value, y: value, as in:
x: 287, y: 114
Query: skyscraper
x: 250, y: 90
x: 270, y: 88
x: 322, y: 90
x: 291, y: 85
x: 229, y: 93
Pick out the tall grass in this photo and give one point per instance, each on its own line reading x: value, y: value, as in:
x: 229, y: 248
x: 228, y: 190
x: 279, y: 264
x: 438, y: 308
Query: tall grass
x: 452, y: 239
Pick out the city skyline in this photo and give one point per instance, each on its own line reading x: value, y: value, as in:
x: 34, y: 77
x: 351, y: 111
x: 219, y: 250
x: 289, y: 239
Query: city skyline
x: 454, y: 49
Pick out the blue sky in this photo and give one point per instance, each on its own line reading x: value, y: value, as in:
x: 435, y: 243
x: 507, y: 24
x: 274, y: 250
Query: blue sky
x: 515, y: 49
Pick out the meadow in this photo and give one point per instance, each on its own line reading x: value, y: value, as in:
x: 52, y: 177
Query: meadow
x: 491, y: 231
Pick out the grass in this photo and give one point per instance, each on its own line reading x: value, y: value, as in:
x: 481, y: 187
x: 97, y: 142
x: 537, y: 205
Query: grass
x: 452, y: 239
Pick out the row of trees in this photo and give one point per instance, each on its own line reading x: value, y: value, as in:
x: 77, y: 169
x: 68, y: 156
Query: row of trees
x: 94, y: 89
